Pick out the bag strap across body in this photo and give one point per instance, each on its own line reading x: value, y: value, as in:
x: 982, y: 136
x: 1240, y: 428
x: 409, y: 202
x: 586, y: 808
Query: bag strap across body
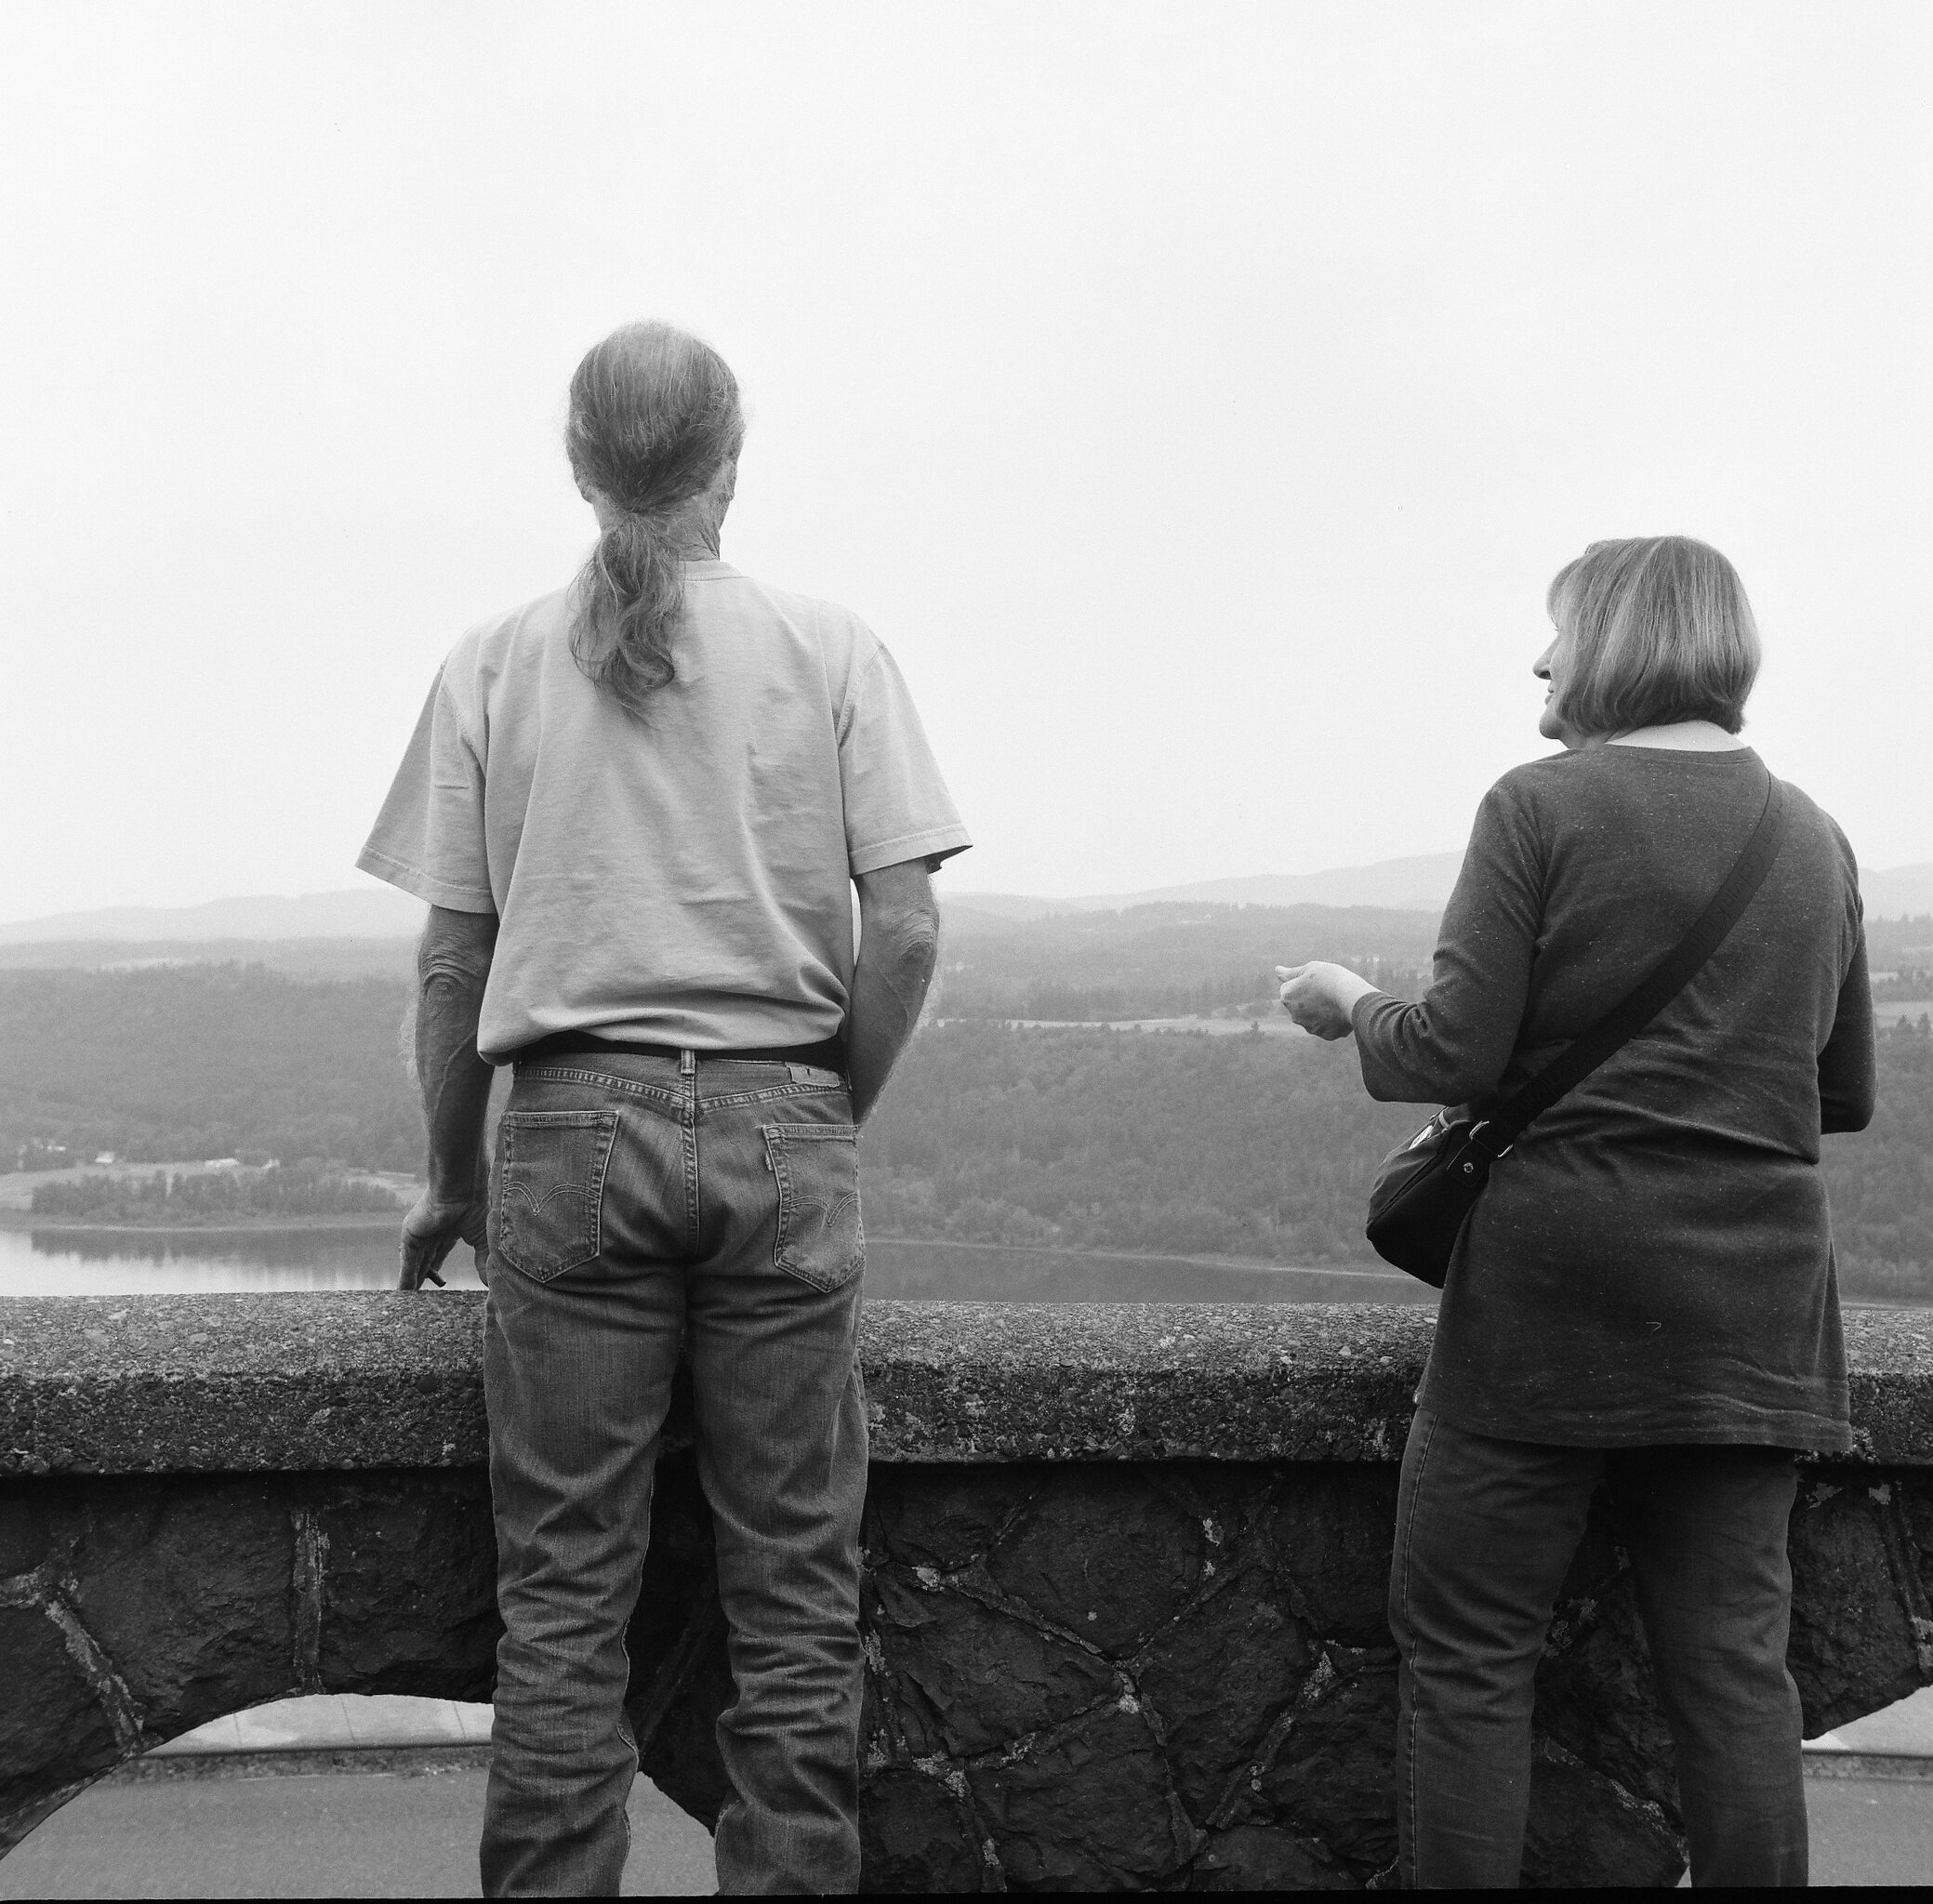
x: 1498, y: 1131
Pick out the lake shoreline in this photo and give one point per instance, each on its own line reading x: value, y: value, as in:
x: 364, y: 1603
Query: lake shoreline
x: 1245, y: 1263
x: 258, y: 1226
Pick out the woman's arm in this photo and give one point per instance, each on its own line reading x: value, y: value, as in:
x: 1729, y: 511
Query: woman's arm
x: 1454, y: 1044
x: 1848, y: 1081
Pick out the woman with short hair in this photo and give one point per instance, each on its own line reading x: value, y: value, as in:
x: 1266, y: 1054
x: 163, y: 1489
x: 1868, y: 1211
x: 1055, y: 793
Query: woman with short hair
x: 1644, y: 1293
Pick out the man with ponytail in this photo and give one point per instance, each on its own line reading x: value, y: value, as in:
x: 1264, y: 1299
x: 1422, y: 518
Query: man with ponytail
x: 638, y: 808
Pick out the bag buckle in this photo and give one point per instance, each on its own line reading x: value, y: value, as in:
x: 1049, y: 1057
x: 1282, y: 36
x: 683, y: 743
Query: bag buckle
x: 1496, y: 1157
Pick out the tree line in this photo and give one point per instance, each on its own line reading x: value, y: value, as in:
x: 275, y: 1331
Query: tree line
x: 1075, y: 1138
x: 188, y: 1198
x: 1246, y: 1146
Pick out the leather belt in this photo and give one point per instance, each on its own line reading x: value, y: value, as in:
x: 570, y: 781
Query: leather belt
x: 828, y: 1054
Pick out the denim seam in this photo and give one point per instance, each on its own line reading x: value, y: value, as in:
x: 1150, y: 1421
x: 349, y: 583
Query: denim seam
x: 775, y: 1092
x: 693, y: 1224
x: 561, y: 1074
x: 778, y: 1163
x: 1422, y: 1462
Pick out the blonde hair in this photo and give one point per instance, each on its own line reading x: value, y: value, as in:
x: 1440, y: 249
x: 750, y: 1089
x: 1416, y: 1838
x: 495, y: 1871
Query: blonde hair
x: 1660, y: 631
x: 655, y: 414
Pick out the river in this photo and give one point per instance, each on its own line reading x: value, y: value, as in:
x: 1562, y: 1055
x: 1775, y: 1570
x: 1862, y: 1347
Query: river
x: 124, y: 1262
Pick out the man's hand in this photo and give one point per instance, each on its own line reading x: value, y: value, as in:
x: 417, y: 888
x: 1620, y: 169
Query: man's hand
x: 453, y: 969
x: 434, y: 1228
x: 1320, y: 997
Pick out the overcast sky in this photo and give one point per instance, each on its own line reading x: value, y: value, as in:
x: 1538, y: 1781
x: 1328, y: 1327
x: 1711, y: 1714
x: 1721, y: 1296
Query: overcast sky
x: 1196, y: 398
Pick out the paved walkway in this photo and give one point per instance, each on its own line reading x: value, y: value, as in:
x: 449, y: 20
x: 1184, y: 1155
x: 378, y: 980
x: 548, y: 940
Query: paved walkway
x: 202, y: 1819
x: 336, y: 1835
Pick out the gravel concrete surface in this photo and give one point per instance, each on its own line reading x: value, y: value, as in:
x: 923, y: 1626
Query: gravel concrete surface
x: 342, y: 1834
x: 391, y: 1835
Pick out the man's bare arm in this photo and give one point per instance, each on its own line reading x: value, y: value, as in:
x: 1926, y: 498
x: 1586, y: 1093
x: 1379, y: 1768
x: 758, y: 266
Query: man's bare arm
x: 453, y: 965
x: 899, y: 945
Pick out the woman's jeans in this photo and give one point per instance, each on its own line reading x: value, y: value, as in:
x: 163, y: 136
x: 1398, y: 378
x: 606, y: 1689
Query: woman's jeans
x: 1485, y: 1531
x: 642, y: 1205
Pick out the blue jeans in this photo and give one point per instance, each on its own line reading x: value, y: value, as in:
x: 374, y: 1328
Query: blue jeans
x: 1485, y: 1531
x: 641, y: 1206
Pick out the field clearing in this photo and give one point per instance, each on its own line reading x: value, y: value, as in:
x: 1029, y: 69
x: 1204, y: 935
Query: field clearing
x: 1280, y: 1027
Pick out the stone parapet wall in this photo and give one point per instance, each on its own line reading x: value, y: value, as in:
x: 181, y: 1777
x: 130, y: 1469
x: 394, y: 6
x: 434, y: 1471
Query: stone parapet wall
x: 1124, y: 1574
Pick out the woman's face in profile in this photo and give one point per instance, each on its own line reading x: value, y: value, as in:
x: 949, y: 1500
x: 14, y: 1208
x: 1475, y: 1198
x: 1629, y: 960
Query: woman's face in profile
x: 1552, y: 666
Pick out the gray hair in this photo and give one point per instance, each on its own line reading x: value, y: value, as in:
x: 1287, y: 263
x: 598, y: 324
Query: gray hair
x: 1661, y: 631
x: 655, y: 415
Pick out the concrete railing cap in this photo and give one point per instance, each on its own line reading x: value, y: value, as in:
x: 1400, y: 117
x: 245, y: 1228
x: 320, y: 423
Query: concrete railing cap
x: 151, y: 1385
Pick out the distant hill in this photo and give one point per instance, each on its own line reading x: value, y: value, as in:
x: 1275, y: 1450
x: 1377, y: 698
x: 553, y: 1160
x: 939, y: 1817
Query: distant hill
x: 392, y: 957
x: 1899, y: 892
x: 1418, y: 884
x: 373, y: 912
x: 1421, y: 883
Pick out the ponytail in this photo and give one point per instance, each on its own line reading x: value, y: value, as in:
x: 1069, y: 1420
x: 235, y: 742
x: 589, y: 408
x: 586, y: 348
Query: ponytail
x: 630, y: 598
x: 655, y: 415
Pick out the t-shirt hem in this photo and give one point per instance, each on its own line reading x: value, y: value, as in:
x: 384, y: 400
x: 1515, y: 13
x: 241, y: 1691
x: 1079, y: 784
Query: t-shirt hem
x: 434, y: 891
x: 936, y: 843
x: 1799, y: 1428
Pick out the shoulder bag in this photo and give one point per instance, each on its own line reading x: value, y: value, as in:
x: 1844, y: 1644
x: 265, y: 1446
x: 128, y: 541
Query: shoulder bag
x: 1426, y: 1189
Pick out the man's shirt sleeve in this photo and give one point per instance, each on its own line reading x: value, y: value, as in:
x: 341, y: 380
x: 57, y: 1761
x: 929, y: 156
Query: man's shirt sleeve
x: 897, y: 806
x: 430, y: 837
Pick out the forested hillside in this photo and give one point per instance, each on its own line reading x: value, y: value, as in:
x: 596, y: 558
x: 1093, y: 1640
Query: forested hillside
x: 1255, y: 1146
x: 203, y: 1060
x: 1164, y: 961
x: 1070, y: 1137
x: 191, y: 1198
x: 1240, y: 1144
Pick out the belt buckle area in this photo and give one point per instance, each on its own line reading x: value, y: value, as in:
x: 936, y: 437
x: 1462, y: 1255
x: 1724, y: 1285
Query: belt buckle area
x: 814, y: 1075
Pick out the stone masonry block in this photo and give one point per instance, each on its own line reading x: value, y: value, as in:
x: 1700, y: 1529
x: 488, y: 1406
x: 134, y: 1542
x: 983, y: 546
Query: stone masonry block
x: 681, y: 1758
x: 917, y: 1833
x: 408, y: 1585
x: 1853, y: 1645
x: 1253, y: 1858
x: 27, y: 1510
x: 679, y: 1567
x: 184, y: 1583
x: 942, y: 1517
x: 1102, y: 1553
x: 1598, y: 1696
x: 1088, y: 1808
x: 983, y: 1678
x: 1217, y: 1679
x: 1330, y: 1528
x: 1586, y: 1831
x: 53, y: 1732
x: 1332, y: 1777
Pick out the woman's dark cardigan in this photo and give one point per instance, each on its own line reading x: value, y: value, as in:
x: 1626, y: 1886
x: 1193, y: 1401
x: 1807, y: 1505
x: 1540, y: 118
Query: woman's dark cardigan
x: 1653, y: 1262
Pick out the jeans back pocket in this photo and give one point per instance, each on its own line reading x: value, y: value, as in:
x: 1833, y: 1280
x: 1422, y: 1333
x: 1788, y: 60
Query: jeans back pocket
x: 816, y: 1166
x: 550, y: 1169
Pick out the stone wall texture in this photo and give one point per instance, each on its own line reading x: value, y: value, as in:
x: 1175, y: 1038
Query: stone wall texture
x: 1124, y: 1585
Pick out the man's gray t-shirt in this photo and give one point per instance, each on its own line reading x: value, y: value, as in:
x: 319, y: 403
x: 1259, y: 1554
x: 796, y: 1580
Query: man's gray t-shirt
x: 680, y: 879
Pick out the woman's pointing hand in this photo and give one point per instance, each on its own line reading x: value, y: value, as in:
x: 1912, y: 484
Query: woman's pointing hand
x: 1320, y: 997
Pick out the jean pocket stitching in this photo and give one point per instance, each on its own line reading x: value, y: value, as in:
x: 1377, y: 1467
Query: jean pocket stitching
x: 604, y: 1123
x: 779, y: 1139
